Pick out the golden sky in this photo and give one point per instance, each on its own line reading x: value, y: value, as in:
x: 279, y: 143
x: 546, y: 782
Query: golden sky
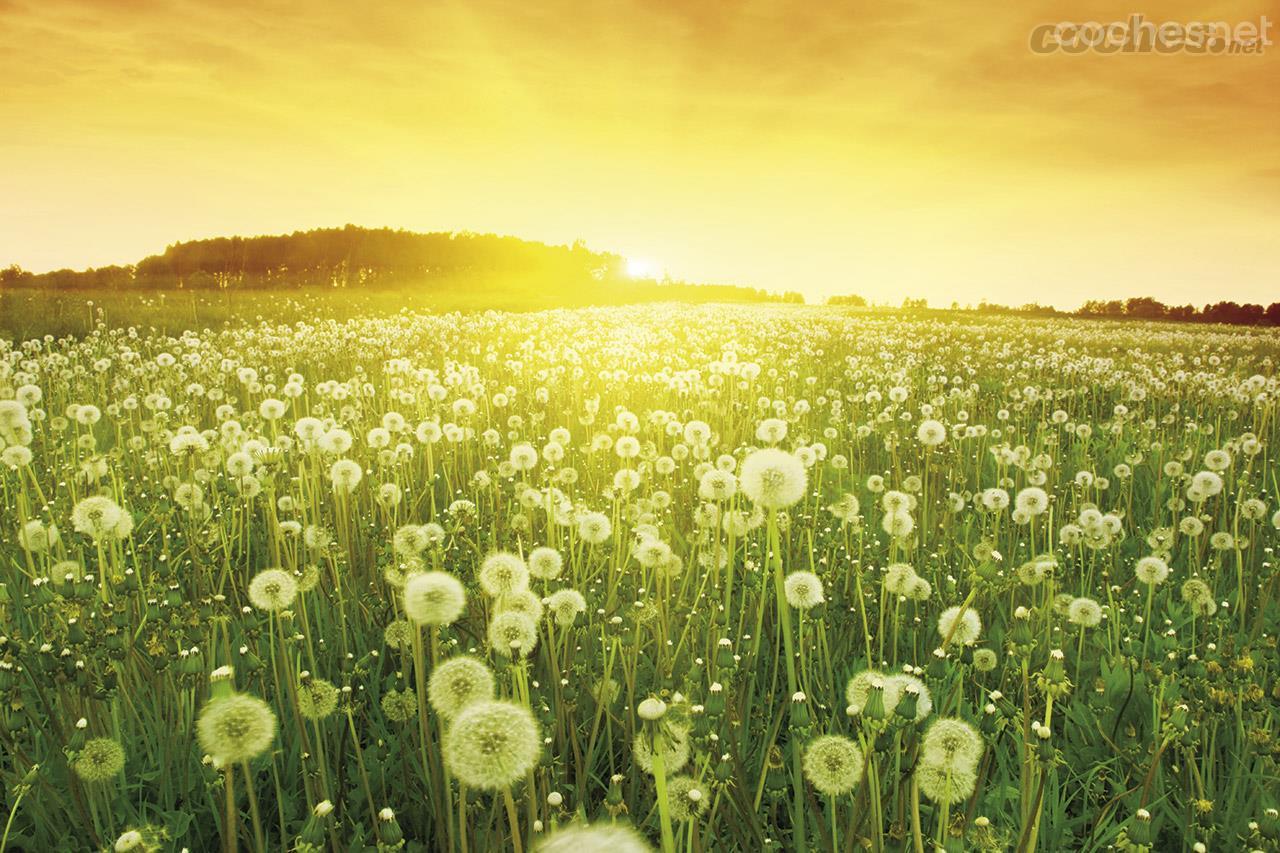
x: 886, y: 148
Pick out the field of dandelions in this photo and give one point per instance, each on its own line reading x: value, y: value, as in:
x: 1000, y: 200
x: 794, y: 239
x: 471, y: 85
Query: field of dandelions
x: 660, y: 578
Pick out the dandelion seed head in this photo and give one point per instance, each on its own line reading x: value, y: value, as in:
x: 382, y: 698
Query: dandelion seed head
x: 951, y: 741
x: 491, y: 745
x: 457, y: 683
x: 99, y: 760
x: 686, y: 797
x: 273, y: 590
x: 946, y: 785
x: 1085, y: 612
x: 673, y: 743
x: 833, y: 764
x: 773, y: 479
x: 434, y: 598
x: 963, y: 627
x: 898, y: 578
x: 503, y: 573
x: 236, y: 728
x: 566, y: 605
x: 803, y: 590
x: 598, y: 838
x: 97, y: 517
x: 317, y: 698
x: 400, y: 705
x: 545, y: 563
x: 1151, y: 570
x: 512, y: 634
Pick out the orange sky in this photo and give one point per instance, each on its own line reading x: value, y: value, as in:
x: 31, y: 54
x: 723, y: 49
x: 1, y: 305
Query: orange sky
x: 889, y: 149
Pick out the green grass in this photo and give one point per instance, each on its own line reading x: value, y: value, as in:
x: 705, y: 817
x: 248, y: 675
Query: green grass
x: 1160, y: 721
x: 34, y: 312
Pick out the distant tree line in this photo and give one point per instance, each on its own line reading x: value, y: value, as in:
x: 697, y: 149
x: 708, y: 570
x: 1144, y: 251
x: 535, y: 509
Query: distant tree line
x: 385, y: 258
x: 1144, y: 307
x: 379, y: 259
x: 851, y: 300
x: 1135, y: 308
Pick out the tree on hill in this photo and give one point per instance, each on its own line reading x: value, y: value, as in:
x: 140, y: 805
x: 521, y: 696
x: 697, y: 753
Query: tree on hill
x: 383, y: 258
x: 851, y: 300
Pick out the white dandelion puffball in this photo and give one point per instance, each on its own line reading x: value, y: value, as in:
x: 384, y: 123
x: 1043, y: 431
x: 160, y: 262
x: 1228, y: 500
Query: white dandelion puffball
x: 931, y: 433
x: 458, y: 683
x: 503, y: 573
x: 512, y: 634
x: 962, y: 628
x: 1084, y: 612
x: 491, y: 744
x: 236, y: 728
x: 951, y: 742
x: 861, y: 685
x: 803, y: 590
x: 545, y: 563
x: 434, y: 598
x: 773, y: 479
x: 833, y: 764
x: 345, y: 475
x: 601, y: 838
x: 97, y: 516
x: 1032, y: 500
x: 1151, y: 570
x: 272, y: 590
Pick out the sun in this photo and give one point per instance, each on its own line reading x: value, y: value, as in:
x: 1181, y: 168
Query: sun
x: 642, y: 268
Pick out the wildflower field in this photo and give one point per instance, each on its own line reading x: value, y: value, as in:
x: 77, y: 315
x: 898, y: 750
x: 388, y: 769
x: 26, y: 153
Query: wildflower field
x: 650, y: 578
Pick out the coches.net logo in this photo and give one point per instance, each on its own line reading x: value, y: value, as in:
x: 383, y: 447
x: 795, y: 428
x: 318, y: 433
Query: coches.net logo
x: 1136, y: 34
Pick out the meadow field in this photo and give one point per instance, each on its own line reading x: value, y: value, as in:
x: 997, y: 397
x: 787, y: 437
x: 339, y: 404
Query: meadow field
x: 715, y: 578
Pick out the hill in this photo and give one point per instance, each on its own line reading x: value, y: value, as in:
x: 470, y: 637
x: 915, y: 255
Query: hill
x: 380, y: 259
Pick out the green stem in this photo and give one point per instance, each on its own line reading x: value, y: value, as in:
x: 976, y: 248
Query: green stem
x: 784, y: 618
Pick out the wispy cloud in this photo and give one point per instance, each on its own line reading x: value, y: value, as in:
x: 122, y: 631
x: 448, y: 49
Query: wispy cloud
x: 884, y: 148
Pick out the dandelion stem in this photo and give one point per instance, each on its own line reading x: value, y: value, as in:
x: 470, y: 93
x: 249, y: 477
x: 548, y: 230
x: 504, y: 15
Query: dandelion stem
x: 513, y: 818
x: 258, y: 836
x: 229, y: 829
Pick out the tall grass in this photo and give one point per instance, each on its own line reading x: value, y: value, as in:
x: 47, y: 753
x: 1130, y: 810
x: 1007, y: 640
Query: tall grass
x: 1032, y: 681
